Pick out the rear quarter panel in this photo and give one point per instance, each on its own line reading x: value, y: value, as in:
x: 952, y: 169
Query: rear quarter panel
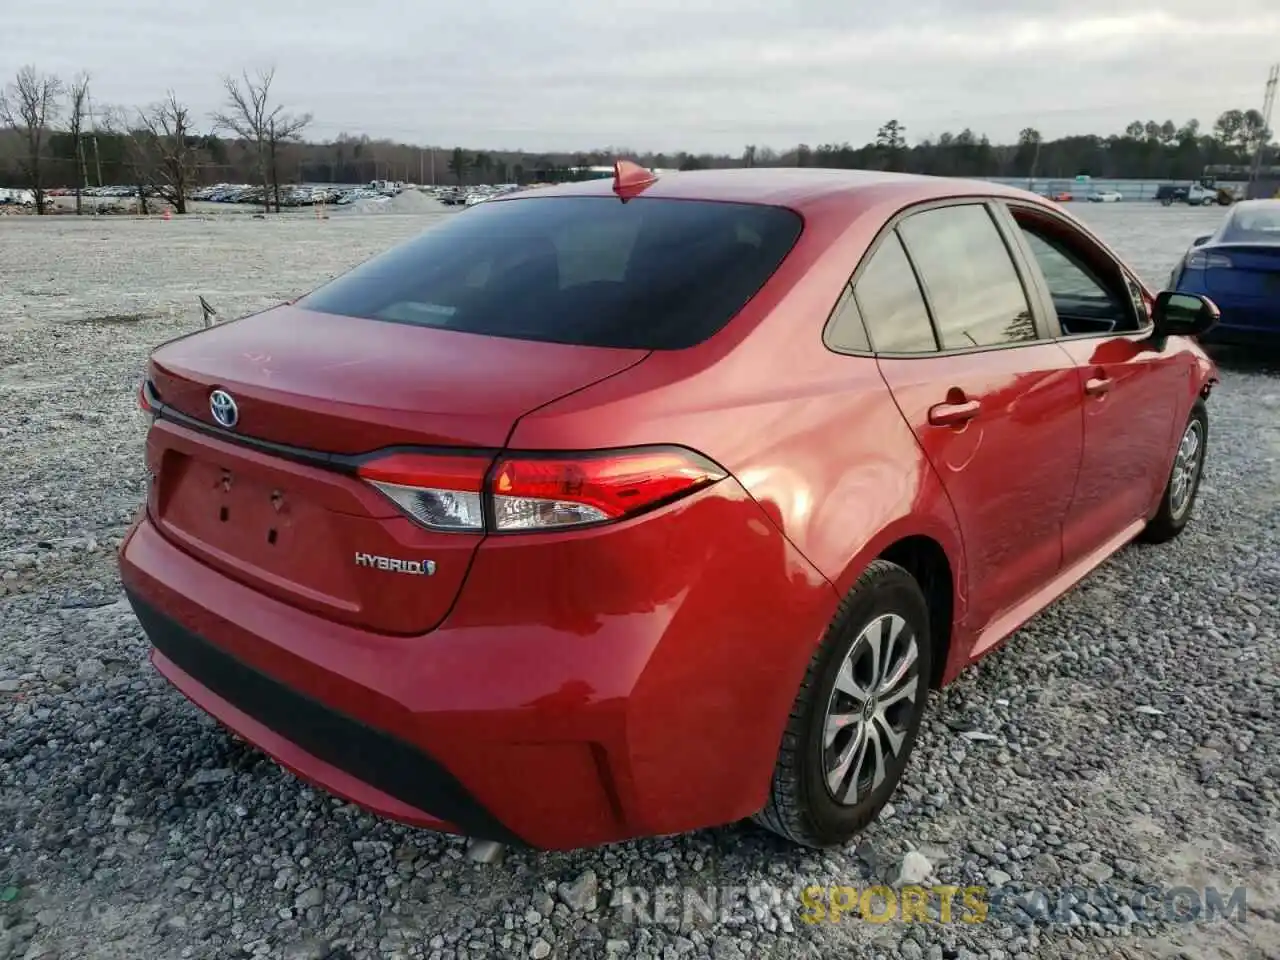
x: 815, y: 437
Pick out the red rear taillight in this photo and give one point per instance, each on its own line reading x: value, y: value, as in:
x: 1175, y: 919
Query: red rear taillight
x: 537, y: 491
x: 144, y: 398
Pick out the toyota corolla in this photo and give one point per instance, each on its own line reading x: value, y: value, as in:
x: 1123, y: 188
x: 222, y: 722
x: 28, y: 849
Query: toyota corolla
x: 628, y: 508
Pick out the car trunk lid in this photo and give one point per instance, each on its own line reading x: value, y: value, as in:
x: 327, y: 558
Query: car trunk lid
x: 275, y: 502
x: 1254, y: 270
x: 346, y: 385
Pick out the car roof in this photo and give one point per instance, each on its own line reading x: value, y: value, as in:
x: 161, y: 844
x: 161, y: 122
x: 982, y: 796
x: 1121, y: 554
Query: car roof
x: 1230, y: 229
x: 794, y: 187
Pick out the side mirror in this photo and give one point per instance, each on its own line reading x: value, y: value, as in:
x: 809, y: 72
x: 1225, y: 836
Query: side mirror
x: 1183, y: 315
x: 1200, y: 241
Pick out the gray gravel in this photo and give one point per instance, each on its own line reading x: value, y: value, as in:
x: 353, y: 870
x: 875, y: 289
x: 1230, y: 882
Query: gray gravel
x: 1127, y: 737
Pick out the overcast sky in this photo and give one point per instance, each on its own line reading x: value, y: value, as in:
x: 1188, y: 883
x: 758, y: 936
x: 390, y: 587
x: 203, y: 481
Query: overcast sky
x: 701, y: 75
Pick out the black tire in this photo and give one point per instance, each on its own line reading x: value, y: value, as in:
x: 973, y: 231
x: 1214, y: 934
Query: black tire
x: 801, y: 805
x: 1175, y: 506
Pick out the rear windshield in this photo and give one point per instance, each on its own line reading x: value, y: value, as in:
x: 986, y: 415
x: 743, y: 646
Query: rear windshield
x: 649, y: 274
x: 1253, y: 225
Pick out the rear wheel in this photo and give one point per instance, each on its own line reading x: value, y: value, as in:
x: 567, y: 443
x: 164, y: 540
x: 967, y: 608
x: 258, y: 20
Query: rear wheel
x: 856, y: 716
x: 1184, y: 479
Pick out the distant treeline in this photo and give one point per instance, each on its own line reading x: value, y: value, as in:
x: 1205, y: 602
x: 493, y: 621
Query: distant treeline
x: 1145, y: 151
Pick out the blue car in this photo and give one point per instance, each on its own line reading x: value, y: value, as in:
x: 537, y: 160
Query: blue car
x: 1238, y: 268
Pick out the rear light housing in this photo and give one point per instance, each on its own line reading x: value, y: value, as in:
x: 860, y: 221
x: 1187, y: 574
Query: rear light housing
x: 1206, y: 260
x: 145, y: 416
x: 520, y: 493
x: 146, y: 412
x: 437, y: 492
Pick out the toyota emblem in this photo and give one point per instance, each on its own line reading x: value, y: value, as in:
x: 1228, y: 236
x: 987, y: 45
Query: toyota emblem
x: 224, y: 409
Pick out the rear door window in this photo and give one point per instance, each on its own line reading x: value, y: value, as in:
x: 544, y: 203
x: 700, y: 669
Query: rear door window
x: 890, y: 301
x: 973, y: 287
x: 649, y: 274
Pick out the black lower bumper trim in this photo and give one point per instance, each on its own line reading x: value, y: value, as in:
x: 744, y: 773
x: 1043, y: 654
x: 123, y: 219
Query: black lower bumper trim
x: 376, y: 757
x: 1243, y: 337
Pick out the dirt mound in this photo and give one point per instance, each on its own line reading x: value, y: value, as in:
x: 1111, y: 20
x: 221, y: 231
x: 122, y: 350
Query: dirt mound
x: 410, y: 201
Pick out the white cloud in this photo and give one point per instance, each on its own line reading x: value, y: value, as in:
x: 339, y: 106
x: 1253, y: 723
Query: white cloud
x: 672, y: 74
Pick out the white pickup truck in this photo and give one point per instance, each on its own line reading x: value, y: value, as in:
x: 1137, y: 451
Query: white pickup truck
x: 1196, y: 195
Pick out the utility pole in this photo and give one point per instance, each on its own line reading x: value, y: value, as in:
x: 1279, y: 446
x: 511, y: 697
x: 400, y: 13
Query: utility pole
x: 97, y: 158
x: 81, y: 162
x: 1273, y: 79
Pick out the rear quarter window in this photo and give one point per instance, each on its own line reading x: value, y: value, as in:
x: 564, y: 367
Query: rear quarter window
x: 650, y: 274
x: 972, y: 285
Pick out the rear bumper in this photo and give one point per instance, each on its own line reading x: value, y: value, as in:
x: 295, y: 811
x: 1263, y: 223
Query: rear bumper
x: 1246, y: 320
x: 592, y: 703
x: 362, y: 763
x: 1245, y: 327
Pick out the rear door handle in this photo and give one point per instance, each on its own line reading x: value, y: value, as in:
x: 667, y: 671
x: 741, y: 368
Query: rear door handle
x: 1097, y: 386
x: 952, y: 414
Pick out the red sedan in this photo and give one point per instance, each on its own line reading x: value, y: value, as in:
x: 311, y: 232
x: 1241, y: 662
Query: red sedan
x: 628, y: 508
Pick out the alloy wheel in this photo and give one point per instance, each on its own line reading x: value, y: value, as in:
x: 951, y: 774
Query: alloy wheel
x: 870, y: 708
x: 1186, y: 467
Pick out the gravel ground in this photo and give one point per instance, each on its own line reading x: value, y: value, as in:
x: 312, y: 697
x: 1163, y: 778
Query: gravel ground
x: 1128, y: 736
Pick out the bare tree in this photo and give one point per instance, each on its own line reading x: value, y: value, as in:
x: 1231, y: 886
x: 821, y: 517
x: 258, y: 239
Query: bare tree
x: 285, y: 128
x: 251, y: 117
x: 119, y: 122
x: 160, y: 149
x: 30, y: 106
x: 246, y: 117
x: 78, y: 101
x: 166, y: 134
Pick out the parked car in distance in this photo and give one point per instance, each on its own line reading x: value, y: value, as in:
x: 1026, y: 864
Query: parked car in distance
x: 630, y: 507
x: 1238, y: 267
x: 10, y: 196
x: 1106, y: 196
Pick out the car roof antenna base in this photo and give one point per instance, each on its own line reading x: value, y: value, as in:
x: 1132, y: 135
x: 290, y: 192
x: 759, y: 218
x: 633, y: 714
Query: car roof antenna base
x: 630, y: 179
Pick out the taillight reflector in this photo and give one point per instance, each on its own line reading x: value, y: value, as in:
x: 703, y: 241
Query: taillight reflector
x: 537, y: 492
